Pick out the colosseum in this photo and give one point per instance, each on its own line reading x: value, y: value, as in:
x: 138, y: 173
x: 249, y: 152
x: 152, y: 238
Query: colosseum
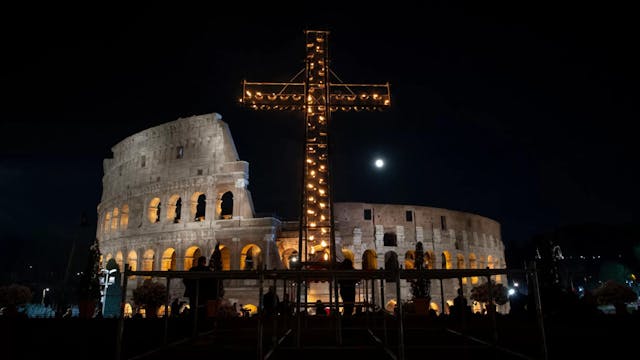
x: 174, y: 191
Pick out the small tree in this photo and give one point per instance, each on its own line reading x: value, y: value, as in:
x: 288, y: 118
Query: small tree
x: 421, y: 286
x: 150, y: 295
x: 89, y: 286
x: 500, y: 294
x: 12, y: 296
x: 613, y: 292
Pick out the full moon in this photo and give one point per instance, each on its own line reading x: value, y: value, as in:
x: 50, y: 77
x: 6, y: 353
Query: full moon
x: 379, y: 163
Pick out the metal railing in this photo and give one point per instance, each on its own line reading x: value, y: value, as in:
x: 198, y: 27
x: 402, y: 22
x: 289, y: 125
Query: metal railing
x: 300, y: 277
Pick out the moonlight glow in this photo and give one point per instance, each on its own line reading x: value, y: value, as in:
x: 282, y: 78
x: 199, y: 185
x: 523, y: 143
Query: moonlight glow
x: 379, y: 163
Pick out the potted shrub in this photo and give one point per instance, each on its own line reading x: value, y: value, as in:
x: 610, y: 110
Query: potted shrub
x: 421, y: 286
x: 150, y: 295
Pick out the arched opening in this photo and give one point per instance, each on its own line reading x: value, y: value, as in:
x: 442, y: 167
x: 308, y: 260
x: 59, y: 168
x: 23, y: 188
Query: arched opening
x: 369, y: 260
x: 251, y: 257
x: 473, y: 265
x: 446, y: 260
x: 191, y: 256
x: 290, y: 258
x: 225, y: 256
x: 124, y: 217
x: 114, y: 219
x: 251, y: 309
x: 391, y: 305
x: 174, y: 209
x: 226, y: 206
x: 347, y: 254
x: 491, y: 264
x: 120, y: 260
x: 447, y: 306
x: 153, y: 213
x: 107, y: 222
x: 132, y: 261
x: 429, y: 259
x: 391, y: 260
x: 128, y: 310
x: 433, y: 306
x: 460, y: 263
x: 169, y: 260
x: 147, y: 261
x: 200, y: 207
x: 409, y: 259
x: 390, y: 239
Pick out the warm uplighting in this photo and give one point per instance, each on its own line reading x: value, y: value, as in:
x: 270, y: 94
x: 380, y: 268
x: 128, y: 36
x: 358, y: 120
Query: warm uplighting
x: 323, y: 244
x: 326, y: 257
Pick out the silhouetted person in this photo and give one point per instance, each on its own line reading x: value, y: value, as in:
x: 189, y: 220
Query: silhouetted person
x: 270, y: 302
x: 175, y: 307
x: 204, y: 291
x: 320, y: 308
x: 347, y: 289
x: 459, y: 305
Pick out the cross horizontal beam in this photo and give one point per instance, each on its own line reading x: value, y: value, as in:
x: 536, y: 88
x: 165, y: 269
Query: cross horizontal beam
x: 291, y: 96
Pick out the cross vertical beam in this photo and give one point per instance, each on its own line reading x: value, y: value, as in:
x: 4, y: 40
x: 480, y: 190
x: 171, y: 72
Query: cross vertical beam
x: 317, y: 212
x: 318, y: 98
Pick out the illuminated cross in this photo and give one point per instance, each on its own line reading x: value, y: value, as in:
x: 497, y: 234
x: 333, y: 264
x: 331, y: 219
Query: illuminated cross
x: 318, y: 98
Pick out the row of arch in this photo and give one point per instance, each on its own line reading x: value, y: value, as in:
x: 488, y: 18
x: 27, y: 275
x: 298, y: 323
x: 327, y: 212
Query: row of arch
x: 118, y: 218
x: 391, y: 239
x: 250, y: 258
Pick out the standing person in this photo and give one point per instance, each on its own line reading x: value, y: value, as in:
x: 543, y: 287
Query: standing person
x: 203, y: 291
x: 347, y: 289
x: 214, y: 285
x: 215, y: 263
x: 459, y: 305
x: 270, y: 302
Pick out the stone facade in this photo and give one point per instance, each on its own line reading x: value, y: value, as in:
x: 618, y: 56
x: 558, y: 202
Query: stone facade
x: 171, y: 192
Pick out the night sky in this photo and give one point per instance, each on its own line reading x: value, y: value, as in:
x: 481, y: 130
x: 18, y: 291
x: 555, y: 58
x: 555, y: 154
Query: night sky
x: 521, y: 113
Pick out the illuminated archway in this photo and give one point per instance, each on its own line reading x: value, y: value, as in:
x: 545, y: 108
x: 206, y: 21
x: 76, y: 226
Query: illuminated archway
x: 429, y: 259
x: 132, y: 261
x: 120, y: 260
x: 226, y: 206
x: 460, y: 264
x: 225, y: 254
x: 114, y: 219
x: 433, y: 306
x: 191, y: 256
x: 147, y: 261
x: 348, y: 254
x: 251, y: 257
x: 369, y: 260
x: 446, y: 260
x: 473, y: 265
x: 174, y: 209
x: 391, y: 305
x: 199, y: 206
x: 107, y: 223
x: 288, y: 257
x: 153, y: 213
x: 169, y: 260
x: 124, y: 217
x: 409, y: 259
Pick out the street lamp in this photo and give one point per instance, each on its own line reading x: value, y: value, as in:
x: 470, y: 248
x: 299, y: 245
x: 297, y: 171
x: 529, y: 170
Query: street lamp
x: 44, y: 294
x: 106, y: 281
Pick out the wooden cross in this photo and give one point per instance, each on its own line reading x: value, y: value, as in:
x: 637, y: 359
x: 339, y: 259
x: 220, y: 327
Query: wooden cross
x: 318, y: 98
